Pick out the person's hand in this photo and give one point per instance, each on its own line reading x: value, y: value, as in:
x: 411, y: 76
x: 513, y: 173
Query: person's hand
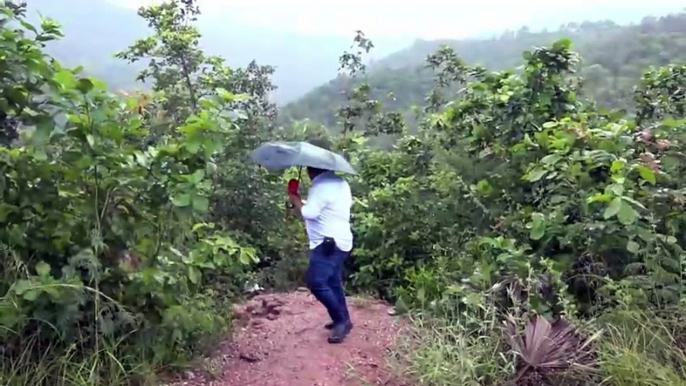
x: 295, y: 198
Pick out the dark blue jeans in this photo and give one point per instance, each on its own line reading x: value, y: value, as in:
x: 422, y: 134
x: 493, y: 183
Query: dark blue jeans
x: 325, y: 279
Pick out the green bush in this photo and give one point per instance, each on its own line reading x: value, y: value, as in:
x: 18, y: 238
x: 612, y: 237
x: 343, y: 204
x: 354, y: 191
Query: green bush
x: 519, y: 192
x: 111, y: 268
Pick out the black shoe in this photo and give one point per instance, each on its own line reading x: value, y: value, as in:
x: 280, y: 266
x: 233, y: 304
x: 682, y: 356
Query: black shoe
x: 340, y: 332
x: 329, y: 326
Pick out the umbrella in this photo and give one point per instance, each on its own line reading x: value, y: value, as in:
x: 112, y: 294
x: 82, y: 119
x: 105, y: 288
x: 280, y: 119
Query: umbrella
x: 283, y: 155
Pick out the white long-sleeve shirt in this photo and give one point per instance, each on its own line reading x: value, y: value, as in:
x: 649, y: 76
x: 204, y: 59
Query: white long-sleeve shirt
x: 327, y: 211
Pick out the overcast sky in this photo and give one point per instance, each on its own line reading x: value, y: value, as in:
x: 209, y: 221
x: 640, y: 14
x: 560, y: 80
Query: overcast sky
x: 428, y: 19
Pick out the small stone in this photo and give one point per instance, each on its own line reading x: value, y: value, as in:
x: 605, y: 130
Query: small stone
x: 269, y: 304
x: 239, y: 313
x: 302, y: 289
x: 272, y: 317
x: 250, y: 357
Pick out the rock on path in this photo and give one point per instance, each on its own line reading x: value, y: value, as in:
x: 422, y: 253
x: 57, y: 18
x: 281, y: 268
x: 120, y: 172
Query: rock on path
x: 280, y: 340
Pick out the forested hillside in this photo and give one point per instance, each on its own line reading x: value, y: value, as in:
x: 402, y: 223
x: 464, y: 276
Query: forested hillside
x: 92, y: 40
x: 524, y: 235
x: 613, y: 59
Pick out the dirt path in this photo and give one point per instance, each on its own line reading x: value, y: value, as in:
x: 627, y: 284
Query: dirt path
x: 280, y: 341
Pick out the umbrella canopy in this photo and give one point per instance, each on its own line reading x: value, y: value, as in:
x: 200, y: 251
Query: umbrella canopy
x: 283, y: 155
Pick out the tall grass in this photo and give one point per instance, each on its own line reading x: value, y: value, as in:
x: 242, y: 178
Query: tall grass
x: 463, y: 349
x: 32, y: 352
x: 640, y: 349
x: 636, y: 348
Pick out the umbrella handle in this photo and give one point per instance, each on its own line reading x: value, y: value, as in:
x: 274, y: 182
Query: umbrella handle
x: 289, y: 205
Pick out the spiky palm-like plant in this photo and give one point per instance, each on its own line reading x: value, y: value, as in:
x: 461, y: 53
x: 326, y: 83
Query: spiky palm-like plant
x: 545, y: 348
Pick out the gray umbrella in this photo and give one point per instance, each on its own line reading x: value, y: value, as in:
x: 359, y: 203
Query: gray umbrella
x: 283, y: 155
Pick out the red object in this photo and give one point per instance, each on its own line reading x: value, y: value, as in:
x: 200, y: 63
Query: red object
x: 293, y: 186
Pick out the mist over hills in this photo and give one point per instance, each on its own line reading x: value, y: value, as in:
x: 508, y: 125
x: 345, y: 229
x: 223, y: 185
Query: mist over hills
x: 613, y: 58
x: 96, y: 29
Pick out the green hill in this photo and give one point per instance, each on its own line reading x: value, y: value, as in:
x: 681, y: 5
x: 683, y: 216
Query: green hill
x: 91, y: 40
x: 614, y: 57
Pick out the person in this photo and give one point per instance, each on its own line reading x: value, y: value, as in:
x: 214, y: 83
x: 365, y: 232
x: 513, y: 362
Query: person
x: 327, y: 219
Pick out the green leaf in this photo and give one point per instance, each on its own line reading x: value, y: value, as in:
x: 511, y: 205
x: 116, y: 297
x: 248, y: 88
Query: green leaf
x: 551, y: 159
x: 645, y: 235
x: 202, y: 225
x: 206, y: 103
x: 632, y: 246
x: 647, y: 174
x: 22, y: 286
x: 245, y: 256
x: 43, y: 132
x: 537, y: 230
x: 484, y: 187
x: 538, y: 226
x: 225, y: 95
x: 613, y: 208
x: 194, y: 275
x: 197, y: 176
x: 558, y: 199
x: 599, y: 197
x: 562, y: 44
x: 626, y: 215
x: 43, y: 269
x: 631, y: 200
x: 84, y: 85
x: 617, y: 166
x: 201, y: 204
x: 6, y: 210
x: 182, y: 200
x: 40, y: 155
x: 65, y: 78
x: 617, y: 189
x: 28, y: 26
x: 535, y: 175
x: 193, y: 144
x: 241, y: 97
x: 32, y: 294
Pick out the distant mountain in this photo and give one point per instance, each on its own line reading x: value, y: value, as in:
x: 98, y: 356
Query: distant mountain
x: 96, y: 29
x: 614, y: 57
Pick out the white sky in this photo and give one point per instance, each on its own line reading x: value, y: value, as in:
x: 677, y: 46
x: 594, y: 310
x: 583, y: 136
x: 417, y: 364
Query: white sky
x: 428, y: 19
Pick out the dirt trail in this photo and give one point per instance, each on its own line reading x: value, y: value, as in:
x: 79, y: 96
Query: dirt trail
x: 280, y: 341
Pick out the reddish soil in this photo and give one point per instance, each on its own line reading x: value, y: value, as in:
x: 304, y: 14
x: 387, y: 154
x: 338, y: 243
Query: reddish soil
x: 280, y: 340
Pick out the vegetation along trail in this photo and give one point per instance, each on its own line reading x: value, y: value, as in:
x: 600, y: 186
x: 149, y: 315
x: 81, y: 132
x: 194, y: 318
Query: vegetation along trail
x: 519, y: 203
